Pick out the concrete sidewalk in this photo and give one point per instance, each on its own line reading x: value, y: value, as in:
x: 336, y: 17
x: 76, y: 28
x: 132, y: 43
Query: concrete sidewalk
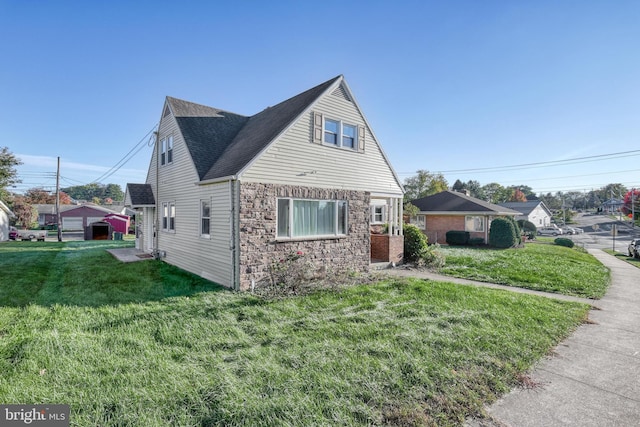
x: 593, y: 377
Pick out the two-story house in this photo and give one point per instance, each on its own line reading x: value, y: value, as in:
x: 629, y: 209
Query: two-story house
x: 228, y: 194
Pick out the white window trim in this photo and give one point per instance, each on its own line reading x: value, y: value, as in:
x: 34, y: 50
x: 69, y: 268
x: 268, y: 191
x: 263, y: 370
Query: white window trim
x: 202, y: 217
x: 340, y: 134
x: 166, y: 148
x: 336, y: 233
x: 420, y: 221
x: 168, y: 207
x: 483, y: 222
x: 374, y: 213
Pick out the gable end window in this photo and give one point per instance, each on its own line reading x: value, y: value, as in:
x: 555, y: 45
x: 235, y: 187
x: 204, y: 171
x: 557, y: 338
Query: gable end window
x: 311, y: 218
x: 340, y: 134
x: 166, y: 150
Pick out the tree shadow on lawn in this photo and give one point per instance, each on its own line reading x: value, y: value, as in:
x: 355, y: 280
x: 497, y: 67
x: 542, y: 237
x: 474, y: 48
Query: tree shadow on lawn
x: 83, y: 273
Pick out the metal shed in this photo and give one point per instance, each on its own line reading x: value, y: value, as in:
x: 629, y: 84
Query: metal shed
x: 99, y: 230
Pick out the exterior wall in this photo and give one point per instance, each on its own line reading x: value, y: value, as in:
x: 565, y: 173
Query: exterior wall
x: 387, y: 248
x: 209, y: 257
x: 87, y: 213
x: 295, y: 160
x: 4, y: 226
x: 259, y: 246
x: 438, y: 225
x: 539, y: 217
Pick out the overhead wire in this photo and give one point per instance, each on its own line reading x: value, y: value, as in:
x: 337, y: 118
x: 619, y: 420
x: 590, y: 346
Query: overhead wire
x: 135, y: 150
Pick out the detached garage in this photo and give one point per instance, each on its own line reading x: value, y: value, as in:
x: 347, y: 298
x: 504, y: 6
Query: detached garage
x: 77, y: 218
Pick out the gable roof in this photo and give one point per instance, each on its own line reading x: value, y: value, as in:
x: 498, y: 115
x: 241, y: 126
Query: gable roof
x: 525, y: 208
x: 6, y: 209
x: 222, y: 143
x: 451, y: 202
x: 140, y: 195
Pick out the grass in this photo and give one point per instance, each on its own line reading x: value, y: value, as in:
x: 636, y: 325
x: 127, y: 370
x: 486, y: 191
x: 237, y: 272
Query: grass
x: 147, y: 344
x: 542, y: 267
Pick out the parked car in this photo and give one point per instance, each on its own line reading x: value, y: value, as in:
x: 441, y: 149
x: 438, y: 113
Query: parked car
x: 549, y: 231
x: 39, y: 235
x: 634, y: 248
x: 13, y: 233
x: 573, y: 230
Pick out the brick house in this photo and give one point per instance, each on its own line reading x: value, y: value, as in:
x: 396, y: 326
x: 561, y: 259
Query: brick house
x: 450, y: 210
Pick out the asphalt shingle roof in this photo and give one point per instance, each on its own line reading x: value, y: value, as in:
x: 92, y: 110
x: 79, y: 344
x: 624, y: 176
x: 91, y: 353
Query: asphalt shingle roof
x: 222, y: 143
x: 141, y: 194
x: 451, y: 201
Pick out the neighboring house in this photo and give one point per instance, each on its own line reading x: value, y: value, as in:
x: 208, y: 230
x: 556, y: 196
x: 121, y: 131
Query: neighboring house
x: 450, y: 210
x: 227, y: 195
x: 119, y: 223
x: 612, y: 205
x: 5, y: 215
x: 534, y: 211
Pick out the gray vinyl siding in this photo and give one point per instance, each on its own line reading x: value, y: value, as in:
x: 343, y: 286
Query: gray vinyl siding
x: 295, y: 160
x: 184, y: 247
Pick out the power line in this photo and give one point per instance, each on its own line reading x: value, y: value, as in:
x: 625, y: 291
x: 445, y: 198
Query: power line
x: 137, y: 147
x: 599, y: 157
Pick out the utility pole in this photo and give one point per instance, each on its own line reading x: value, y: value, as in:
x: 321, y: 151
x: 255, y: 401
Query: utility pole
x: 58, y: 202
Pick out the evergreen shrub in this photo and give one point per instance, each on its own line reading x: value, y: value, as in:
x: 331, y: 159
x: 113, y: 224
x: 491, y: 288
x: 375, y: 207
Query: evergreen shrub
x: 503, y: 234
x: 456, y: 237
x: 563, y: 241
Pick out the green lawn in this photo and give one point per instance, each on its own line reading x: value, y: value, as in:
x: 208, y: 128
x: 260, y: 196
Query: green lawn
x: 542, y: 267
x: 146, y: 344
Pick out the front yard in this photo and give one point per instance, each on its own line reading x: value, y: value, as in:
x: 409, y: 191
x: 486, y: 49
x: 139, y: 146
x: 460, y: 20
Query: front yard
x: 147, y: 344
x: 538, y: 266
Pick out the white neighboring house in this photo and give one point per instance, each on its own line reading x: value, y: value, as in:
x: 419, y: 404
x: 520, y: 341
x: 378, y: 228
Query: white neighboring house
x: 227, y: 195
x: 534, y: 211
x: 5, y: 215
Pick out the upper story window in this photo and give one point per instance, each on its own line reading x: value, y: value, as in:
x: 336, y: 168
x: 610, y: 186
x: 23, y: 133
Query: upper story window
x: 340, y: 134
x: 166, y: 150
x: 311, y: 218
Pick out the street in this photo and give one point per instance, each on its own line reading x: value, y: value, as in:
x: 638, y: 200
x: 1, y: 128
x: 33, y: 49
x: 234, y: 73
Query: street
x: 598, y: 232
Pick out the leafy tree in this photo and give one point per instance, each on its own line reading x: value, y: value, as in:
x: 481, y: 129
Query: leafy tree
x: 95, y: 191
x: 26, y: 214
x: 37, y: 196
x: 517, y: 196
x: 496, y: 193
x: 632, y: 202
x: 8, y: 172
x: 424, y: 184
x: 475, y: 189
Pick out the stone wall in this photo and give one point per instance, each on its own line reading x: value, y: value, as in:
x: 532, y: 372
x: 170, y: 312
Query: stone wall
x: 259, y: 246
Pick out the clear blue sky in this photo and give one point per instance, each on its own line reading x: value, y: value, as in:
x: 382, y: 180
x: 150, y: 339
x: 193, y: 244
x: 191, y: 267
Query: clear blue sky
x: 446, y: 85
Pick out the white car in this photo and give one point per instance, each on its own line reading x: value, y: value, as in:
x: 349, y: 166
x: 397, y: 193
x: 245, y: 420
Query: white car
x: 549, y: 231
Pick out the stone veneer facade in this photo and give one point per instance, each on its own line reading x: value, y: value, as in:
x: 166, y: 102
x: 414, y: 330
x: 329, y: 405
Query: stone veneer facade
x: 259, y: 246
